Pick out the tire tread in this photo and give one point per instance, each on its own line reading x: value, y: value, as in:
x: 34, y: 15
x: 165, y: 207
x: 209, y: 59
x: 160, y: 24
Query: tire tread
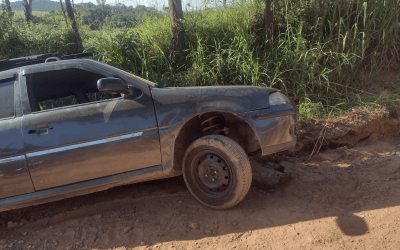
x: 229, y: 147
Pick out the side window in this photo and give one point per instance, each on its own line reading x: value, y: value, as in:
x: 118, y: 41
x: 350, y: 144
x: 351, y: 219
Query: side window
x: 6, y: 99
x: 61, y: 88
x: 57, y: 102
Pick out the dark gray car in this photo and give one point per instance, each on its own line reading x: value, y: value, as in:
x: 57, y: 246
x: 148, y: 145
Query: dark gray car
x: 72, y: 127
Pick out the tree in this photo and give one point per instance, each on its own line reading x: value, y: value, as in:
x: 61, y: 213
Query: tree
x: 27, y: 10
x: 176, y: 16
x: 63, y: 11
x: 165, y: 9
x: 8, y: 5
x: 75, y: 31
x: 101, y: 3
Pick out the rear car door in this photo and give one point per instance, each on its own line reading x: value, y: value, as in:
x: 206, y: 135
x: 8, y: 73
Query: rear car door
x: 74, y: 133
x: 14, y: 174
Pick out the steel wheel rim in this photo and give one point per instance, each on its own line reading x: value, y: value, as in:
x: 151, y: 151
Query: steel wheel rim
x: 212, y: 173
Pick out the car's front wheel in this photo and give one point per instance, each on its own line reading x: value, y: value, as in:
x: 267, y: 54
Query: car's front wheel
x: 217, y: 171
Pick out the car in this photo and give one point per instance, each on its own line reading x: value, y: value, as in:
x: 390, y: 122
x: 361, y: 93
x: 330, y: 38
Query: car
x: 71, y: 126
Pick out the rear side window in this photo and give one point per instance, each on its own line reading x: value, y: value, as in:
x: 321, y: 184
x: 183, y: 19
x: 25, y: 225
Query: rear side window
x: 6, y: 99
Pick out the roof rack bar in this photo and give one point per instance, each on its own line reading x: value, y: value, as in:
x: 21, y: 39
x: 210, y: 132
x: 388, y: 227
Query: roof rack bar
x: 23, y: 61
x: 76, y: 56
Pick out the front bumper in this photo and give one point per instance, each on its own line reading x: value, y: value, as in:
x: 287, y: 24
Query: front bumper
x: 274, y: 127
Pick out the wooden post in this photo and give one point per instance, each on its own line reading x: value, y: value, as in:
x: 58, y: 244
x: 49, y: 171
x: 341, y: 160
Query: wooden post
x: 176, y: 15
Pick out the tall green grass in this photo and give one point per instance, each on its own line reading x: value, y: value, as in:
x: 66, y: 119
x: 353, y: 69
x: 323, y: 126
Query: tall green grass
x: 19, y: 14
x: 327, y: 55
x: 324, y: 52
x: 18, y: 38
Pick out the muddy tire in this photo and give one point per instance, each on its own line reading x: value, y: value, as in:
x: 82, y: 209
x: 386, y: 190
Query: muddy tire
x: 217, y: 171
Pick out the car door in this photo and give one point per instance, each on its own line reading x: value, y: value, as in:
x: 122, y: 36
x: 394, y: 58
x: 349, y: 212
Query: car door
x: 14, y: 174
x: 83, y: 141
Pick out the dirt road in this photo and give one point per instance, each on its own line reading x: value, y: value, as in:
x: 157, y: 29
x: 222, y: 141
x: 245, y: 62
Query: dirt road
x: 344, y: 199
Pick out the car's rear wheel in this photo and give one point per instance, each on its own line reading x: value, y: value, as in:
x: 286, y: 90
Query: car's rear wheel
x: 217, y: 171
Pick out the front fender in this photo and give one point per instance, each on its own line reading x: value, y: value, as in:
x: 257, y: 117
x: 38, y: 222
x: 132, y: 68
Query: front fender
x: 175, y: 106
x: 274, y: 127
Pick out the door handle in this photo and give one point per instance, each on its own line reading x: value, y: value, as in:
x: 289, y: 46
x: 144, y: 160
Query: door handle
x: 41, y: 129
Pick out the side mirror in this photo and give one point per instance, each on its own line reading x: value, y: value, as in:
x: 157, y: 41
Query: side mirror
x: 111, y: 85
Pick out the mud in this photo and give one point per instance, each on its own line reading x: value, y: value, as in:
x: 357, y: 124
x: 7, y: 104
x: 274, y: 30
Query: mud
x: 347, y: 130
x: 345, y: 197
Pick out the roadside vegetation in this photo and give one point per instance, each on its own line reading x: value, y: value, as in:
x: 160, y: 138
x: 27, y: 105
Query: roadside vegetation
x: 327, y: 55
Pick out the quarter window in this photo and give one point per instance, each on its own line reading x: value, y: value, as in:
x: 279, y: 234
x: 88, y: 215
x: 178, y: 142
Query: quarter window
x: 6, y: 99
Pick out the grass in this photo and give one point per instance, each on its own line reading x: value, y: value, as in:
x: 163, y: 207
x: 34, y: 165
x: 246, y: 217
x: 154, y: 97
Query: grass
x: 327, y: 58
x: 19, y: 14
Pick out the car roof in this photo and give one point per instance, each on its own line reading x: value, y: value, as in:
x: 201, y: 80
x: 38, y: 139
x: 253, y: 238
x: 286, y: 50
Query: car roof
x: 57, y: 65
x: 38, y: 59
x: 84, y: 64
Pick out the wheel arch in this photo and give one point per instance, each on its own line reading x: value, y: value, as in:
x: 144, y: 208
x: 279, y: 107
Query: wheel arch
x: 239, y: 130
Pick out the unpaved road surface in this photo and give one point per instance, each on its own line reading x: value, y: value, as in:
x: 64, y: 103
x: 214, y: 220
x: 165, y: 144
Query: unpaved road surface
x: 344, y: 199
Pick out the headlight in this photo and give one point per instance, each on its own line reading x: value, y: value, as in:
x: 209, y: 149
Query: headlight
x: 277, y: 98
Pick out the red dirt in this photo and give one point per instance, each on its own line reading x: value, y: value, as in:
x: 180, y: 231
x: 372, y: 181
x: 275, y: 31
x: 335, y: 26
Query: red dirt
x: 346, y: 198
x: 348, y: 129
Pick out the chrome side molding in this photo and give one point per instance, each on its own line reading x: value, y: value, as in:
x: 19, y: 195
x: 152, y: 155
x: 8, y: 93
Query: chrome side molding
x: 12, y: 159
x: 85, y: 144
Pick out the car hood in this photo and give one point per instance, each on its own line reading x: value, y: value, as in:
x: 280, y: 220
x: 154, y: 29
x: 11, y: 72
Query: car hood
x: 227, y: 98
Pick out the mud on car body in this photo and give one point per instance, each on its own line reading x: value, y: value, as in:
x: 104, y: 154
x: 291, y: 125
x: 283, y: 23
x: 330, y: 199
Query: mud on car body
x: 71, y: 126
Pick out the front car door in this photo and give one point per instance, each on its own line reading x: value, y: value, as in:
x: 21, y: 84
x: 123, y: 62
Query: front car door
x: 14, y: 174
x: 72, y: 134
